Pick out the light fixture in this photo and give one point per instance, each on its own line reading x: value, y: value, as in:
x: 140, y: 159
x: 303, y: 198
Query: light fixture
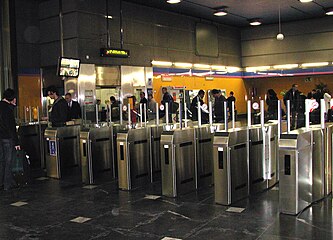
x: 218, y: 67
x: 183, y: 65
x: 305, y: 1
x: 201, y: 66
x: 256, y: 69
x: 108, y: 16
x: 280, y: 35
x: 255, y: 21
x: 220, y: 12
x: 285, y: 66
x: 161, y: 63
x: 173, y: 1
x: 317, y: 64
x: 329, y: 11
x: 233, y: 69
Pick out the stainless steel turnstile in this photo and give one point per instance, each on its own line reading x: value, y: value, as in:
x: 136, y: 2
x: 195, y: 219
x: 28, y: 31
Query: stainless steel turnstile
x: 96, y: 152
x: 177, y: 162
x: 295, y: 160
x: 328, y: 157
x: 132, y: 158
x: 31, y: 139
x: 263, y: 156
x: 61, y: 149
x: 115, y: 129
x: 231, y: 157
x: 203, y: 139
x: 154, y: 133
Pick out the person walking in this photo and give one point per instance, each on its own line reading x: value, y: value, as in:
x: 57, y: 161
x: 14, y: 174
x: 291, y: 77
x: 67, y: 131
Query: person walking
x: 293, y: 95
x: 218, y: 105
x: 59, y: 111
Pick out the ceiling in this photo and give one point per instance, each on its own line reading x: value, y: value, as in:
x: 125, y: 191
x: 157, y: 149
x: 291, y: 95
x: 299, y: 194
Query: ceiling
x: 242, y: 10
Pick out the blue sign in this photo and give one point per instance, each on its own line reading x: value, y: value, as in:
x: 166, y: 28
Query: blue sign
x: 53, y: 148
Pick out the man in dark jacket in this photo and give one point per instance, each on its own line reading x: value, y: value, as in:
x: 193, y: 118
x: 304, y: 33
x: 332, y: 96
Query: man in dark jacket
x: 59, y: 112
x: 143, y: 101
x: 219, y: 105
x: 167, y: 98
x: 194, y: 107
x: 74, y: 109
x: 8, y: 139
x: 231, y: 99
x: 293, y: 95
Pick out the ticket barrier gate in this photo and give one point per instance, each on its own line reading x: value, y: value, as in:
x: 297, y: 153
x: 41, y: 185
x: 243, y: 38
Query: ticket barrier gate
x: 96, y: 144
x: 132, y: 158
x: 231, y: 159
x: 31, y: 139
x: 178, y: 162
x: 328, y: 157
x: 295, y: 160
x: 154, y: 134
x: 62, y: 150
x: 116, y: 127
x: 263, y: 156
x: 203, y: 139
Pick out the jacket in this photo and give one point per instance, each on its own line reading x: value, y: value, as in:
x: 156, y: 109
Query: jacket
x: 7, y: 122
x: 59, y: 113
x: 74, y: 112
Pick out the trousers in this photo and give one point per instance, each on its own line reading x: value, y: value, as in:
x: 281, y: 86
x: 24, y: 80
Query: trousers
x: 6, y: 159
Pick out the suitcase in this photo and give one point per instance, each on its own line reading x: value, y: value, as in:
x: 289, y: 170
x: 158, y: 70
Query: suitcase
x: 21, y: 168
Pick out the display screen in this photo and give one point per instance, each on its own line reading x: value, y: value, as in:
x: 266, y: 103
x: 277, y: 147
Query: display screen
x: 68, y: 67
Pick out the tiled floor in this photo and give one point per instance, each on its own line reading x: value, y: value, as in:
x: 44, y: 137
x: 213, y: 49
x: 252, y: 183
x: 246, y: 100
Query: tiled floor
x: 107, y: 213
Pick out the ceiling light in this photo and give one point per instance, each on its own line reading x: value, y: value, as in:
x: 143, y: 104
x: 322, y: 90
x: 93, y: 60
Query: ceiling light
x: 285, y: 66
x: 174, y: 1
x: 305, y: 1
x: 318, y: 64
x: 233, y: 69
x: 218, y: 68
x: 329, y: 11
x: 108, y: 16
x: 220, y: 12
x: 161, y: 63
x: 183, y: 65
x: 201, y: 66
x: 256, y: 69
x: 255, y: 22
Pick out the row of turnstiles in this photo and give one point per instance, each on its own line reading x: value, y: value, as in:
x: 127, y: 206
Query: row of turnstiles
x: 185, y: 156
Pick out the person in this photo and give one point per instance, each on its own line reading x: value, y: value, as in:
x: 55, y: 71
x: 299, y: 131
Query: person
x: 293, y: 95
x: 194, y: 107
x: 272, y: 103
x: 167, y: 98
x: 8, y: 139
x: 74, y: 109
x: 219, y: 105
x: 115, y: 109
x: 231, y: 99
x: 151, y: 106
x: 301, y: 111
x: 143, y: 101
x: 59, y: 111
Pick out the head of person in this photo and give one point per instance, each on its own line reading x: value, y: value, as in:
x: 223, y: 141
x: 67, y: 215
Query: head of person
x: 150, y: 96
x: 112, y: 99
x: 9, y: 96
x: 271, y: 93
x: 164, y: 90
x: 142, y: 95
x: 216, y: 93
x: 98, y: 101
x: 68, y: 97
x: 53, y: 92
x: 231, y: 94
x: 294, y: 87
x: 201, y: 94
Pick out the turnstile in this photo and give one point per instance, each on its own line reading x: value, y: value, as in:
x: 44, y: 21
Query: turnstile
x: 263, y: 156
x: 177, y: 162
x: 154, y: 133
x: 295, y: 160
x: 31, y: 140
x: 61, y: 150
x: 132, y: 158
x: 231, y: 159
x: 96, y: 152
x: 328, y: 157
x: 115, y: 129
x: 203, y: 139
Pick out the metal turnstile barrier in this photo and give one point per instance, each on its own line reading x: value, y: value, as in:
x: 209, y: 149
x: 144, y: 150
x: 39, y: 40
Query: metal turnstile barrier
x: 154, y: 133
x: 115, y: 129
x: 178, y: 162
x: 61, y: 150
x: 96, y: 152
x: 231, y: 157
x: 295, y: 160
x: 132, y: 158
x: 328, y: 157
x: 203, y: 139
x: 263, y: 156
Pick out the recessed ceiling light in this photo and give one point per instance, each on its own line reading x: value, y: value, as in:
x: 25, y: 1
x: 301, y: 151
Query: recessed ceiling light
x: 329, y: 11
x: 173, y: 1
x: 255, y: 22
x: 220, y: 12
x: 305, y: 1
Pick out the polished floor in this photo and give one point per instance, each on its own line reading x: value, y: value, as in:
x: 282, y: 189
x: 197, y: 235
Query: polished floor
x: 51, y: 209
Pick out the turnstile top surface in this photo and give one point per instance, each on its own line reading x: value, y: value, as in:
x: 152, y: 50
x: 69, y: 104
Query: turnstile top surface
x: 298, y: 138
x: 135, y: 134
x: 232, y: 136
x: 62, y: 131
x: 178, y: 136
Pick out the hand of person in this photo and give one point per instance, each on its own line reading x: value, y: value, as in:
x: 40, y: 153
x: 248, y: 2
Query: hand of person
x: 18, y: 147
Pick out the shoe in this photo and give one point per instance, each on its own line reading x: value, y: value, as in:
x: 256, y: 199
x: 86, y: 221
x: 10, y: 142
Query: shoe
x: 11, y: 187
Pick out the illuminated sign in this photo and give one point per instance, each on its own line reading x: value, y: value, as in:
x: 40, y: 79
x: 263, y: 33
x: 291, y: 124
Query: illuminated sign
x: 114, y: 52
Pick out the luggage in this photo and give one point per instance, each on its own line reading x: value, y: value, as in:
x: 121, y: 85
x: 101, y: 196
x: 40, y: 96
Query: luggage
x: 21, y: 168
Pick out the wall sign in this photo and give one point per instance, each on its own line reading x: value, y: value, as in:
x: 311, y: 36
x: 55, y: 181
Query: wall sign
x: 114, y: 52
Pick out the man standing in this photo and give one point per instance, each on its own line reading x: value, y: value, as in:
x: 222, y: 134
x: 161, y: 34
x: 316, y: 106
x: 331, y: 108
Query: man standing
x: 167, y: 98
x: 143, y: 101
x: 74, y: 109
x: 293, y: 95
x: 8, y: 139
x: 219, y: 105
x: 194, y: 107
x: 151, y: 106
x: 59, y: 111
x: 231, y: 99
x: 115, y: 109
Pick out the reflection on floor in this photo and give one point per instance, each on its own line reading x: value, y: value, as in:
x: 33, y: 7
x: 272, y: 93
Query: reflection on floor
x: 51, y: 209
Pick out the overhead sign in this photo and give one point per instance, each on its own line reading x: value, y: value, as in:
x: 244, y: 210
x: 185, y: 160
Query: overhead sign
x: 114, y: 52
